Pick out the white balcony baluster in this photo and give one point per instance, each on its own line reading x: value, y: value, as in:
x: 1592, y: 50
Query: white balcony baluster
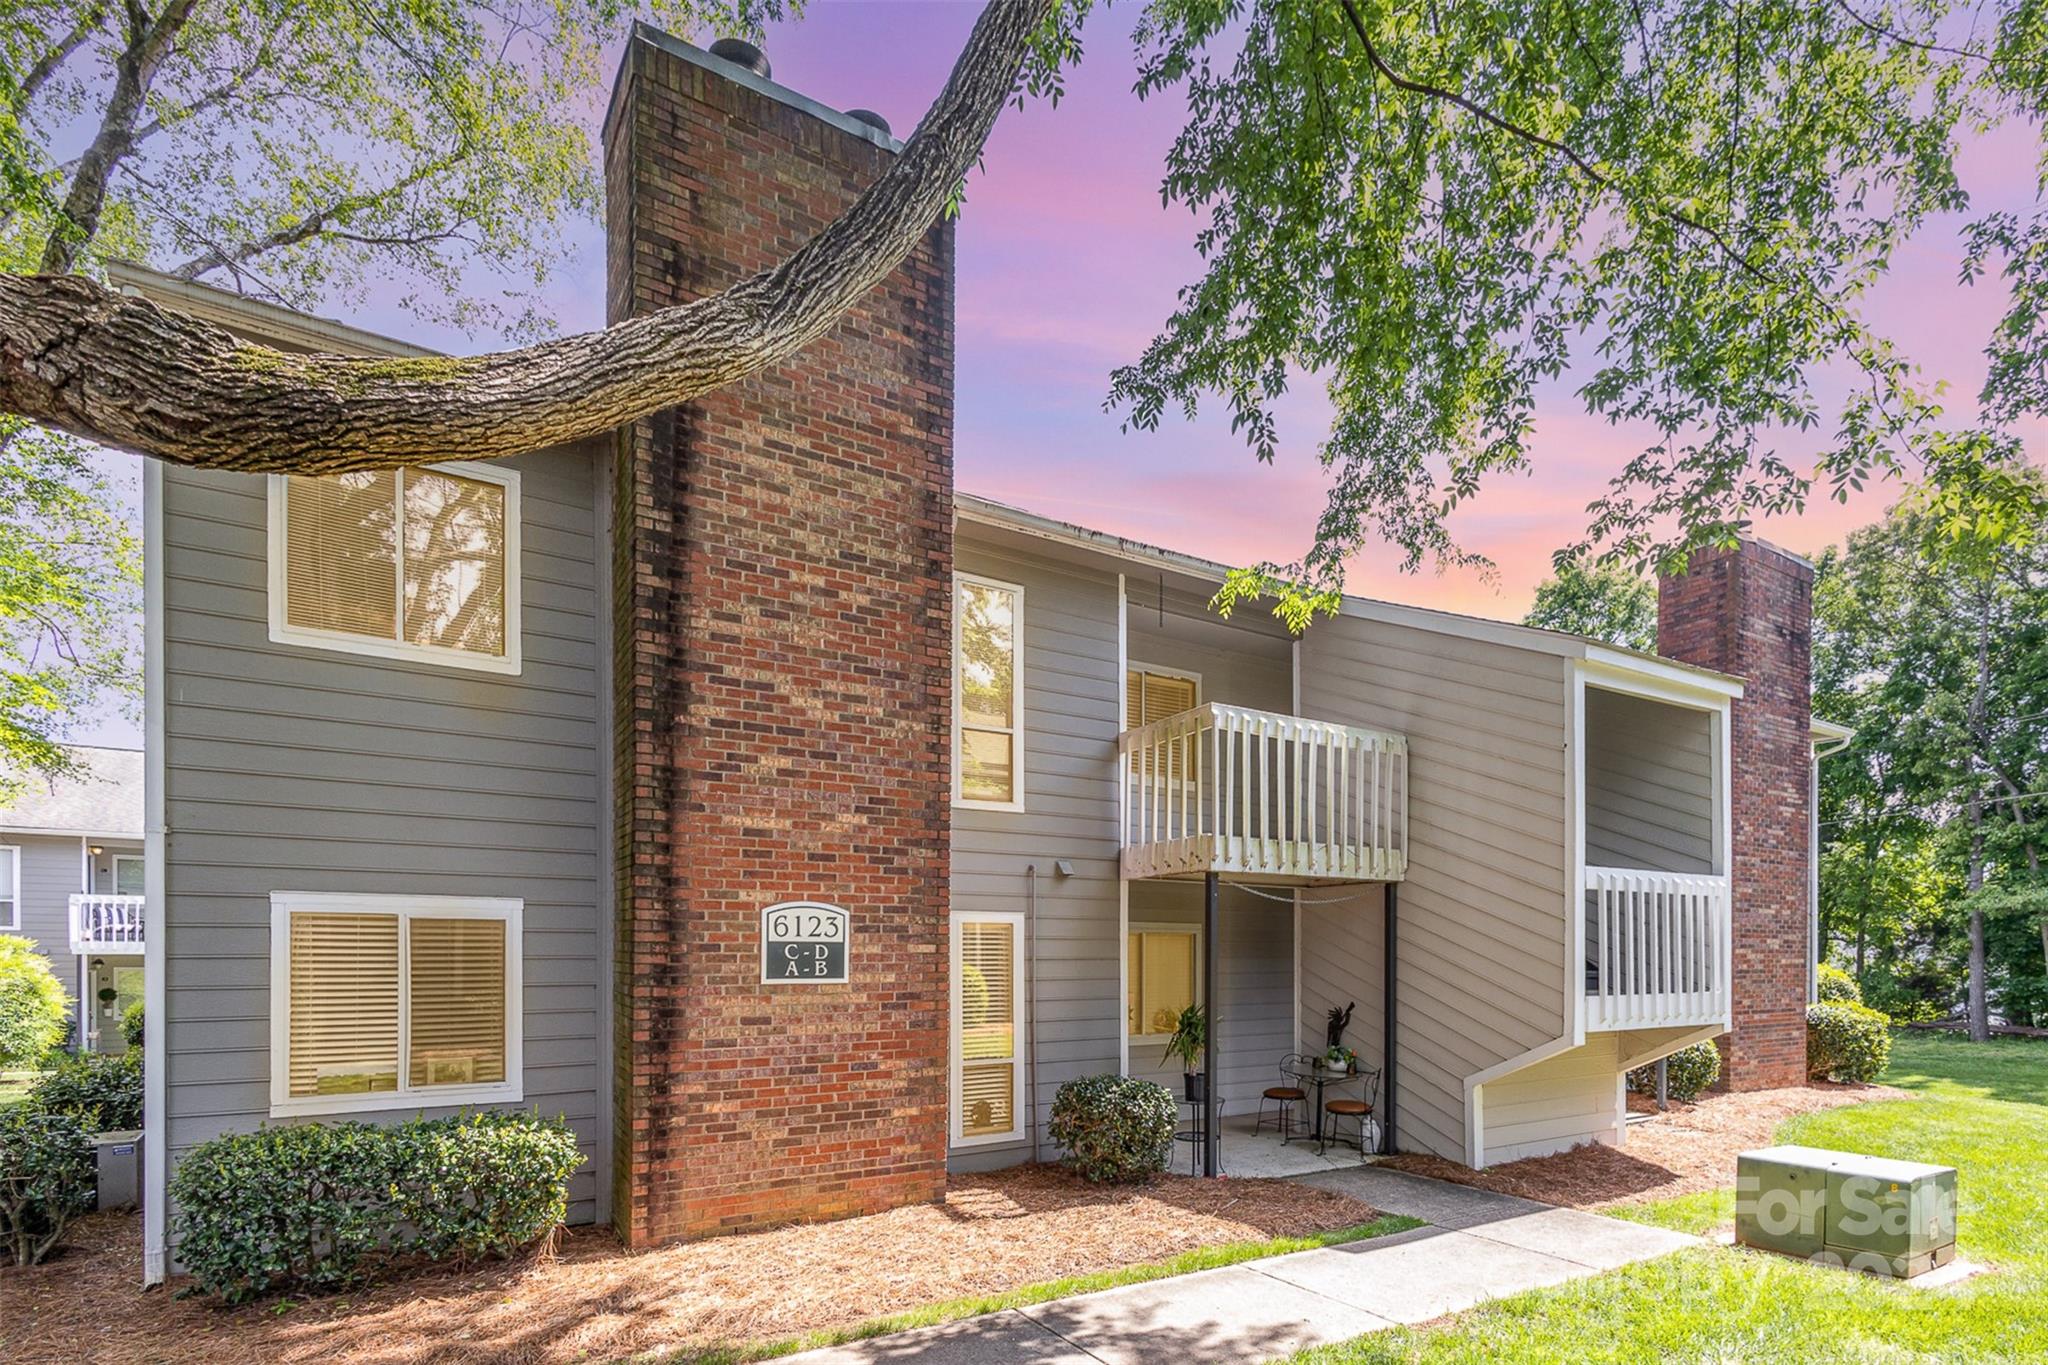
x: 106, y: 924
x: 1656, y: 949
x: 1252, y: 794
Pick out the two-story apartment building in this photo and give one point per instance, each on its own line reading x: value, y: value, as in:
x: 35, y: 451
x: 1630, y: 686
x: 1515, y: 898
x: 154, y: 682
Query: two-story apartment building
x: 795, y: 826
x: 71, y: 881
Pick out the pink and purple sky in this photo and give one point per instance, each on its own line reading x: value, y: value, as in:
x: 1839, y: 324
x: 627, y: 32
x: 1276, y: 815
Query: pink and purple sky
x: 1068, y: 263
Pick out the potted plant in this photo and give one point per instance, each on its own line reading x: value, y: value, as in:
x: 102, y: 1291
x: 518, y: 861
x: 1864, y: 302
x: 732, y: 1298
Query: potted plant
x: 1190, y: 1036
x: 1341, y: 1060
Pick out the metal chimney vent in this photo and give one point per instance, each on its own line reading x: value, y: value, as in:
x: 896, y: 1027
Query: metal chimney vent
x: 870, y: 118
x: 740, y: 52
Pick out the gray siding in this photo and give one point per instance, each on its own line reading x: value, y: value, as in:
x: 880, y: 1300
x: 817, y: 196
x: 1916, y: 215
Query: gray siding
x: 1342, y: 955
x: 290, y: 768
x: 1072, y: 701
x: 52, y: 871
x: 1482, y: 926
x: 1649, y: 784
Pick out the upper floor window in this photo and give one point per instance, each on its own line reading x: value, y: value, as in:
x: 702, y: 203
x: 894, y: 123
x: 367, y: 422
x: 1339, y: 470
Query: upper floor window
x: 10, y: 887
x: 401, y: 564
x: 988, y: 721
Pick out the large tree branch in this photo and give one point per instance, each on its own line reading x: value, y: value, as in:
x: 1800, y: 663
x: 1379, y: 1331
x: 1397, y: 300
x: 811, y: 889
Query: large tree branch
x: 119, y: 370
x: 149, y: 42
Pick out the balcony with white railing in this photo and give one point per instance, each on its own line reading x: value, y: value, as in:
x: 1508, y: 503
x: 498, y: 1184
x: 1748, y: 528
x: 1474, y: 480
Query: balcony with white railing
x: 1261, y: 797
x: 1656, y: 949
x: 106, y: 924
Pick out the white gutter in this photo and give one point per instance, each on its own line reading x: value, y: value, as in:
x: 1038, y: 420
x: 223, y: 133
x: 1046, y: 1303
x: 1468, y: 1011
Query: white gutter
x: 1827, y: 738
x: 156, y: 1055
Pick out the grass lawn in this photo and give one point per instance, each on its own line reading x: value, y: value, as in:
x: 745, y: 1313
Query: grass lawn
x: 15, y: 1085
x: 1984, y: 1110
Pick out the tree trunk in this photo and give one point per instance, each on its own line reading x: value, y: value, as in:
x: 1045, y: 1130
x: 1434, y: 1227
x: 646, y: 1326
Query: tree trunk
x: 125, y: 373
x: 1980, y: 1012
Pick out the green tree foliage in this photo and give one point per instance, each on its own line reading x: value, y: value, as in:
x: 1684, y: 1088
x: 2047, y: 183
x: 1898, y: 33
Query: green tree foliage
x: 1607, y: 602
x: 1678, y: 205
x: 32, y: 1003
x: 70, y: 599
x: 295, y: 149
x: 1935, y: 647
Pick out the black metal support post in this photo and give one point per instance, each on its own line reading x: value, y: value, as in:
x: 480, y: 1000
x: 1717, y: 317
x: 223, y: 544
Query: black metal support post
x: 1391, y: 977
x: 1210, y: 944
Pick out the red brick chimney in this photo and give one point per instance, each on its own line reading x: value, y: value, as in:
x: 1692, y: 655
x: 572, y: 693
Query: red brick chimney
x: 782, y: 566
x: 1749, y: 612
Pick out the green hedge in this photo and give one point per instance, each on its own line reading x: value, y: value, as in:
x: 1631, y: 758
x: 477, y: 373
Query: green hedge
x: 32, y: 1003
x: 48, y: 1176
x: 1835, y: 986
x: 1113, y: 1128
x: 1687, y: 1073
x: 1847, y: 1042
x: 131, y: 1025
x: 104, y: 1092
x: 324, y: 1206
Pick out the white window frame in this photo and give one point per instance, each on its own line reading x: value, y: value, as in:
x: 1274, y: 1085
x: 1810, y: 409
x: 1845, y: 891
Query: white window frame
x: 285, y: 904
x: 344, y: 642
x: 13, y: 921
x: 1163, y: 927
x: 1020, y: 1100
x: 1016, y: 803
x: 114, y: 870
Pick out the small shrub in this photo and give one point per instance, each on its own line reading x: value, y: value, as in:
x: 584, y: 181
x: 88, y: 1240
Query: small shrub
x: 1847, y: 1042
x: 33, y: 1008
x: 1687, y: 1073
x: 103, y: 1092
x: 131, y: 1025
x: 324, y: 1206
x: 48, y: 1177
x: 1113, y: 1128
x: 1836, y: 986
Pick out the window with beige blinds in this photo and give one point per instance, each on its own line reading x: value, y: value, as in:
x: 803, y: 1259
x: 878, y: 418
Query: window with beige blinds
x: 344, y: 1004
x: 407, y: 563
x: 381, y: 1001
x: 1162, y: 966
x: 457, y: 994
x: 987, y: 706
x: 988, y: 1026
x: 1150, y: 695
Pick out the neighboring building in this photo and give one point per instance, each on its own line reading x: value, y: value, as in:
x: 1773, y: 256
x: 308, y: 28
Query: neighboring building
x: 477, y: 784
x: 71, y: 879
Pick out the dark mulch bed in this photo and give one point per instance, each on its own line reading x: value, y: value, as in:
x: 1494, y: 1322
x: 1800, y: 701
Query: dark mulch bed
x: 1689, y: 1148
x: 591, y: 1301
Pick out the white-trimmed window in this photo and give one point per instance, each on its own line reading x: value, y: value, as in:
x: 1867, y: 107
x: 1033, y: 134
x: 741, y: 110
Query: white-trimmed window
x: 10, y: 887
x: 988, y: 703
x: 128, y: 874
x: 1163, y: 963
x: 416, y: 563
x: 989, y: 1023
x: 392, y: 1002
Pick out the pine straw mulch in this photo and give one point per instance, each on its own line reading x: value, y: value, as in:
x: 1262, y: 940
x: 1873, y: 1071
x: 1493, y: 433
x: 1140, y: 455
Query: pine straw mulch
x: 1689, y: 1148
x: 594, y: 1302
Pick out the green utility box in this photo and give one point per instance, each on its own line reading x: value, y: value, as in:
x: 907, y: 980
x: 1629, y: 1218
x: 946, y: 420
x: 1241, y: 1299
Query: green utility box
x: 1895, y: 1218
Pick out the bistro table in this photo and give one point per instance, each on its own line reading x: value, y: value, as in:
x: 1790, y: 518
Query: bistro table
x: 1319, y: 1076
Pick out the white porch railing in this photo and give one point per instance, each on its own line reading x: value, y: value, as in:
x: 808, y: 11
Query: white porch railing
x: 1656, y: 949
x: 1261, y: 796
x: 106, y: 924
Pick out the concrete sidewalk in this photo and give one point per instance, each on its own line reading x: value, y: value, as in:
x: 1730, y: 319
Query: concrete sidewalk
x: 1479, y: 1246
